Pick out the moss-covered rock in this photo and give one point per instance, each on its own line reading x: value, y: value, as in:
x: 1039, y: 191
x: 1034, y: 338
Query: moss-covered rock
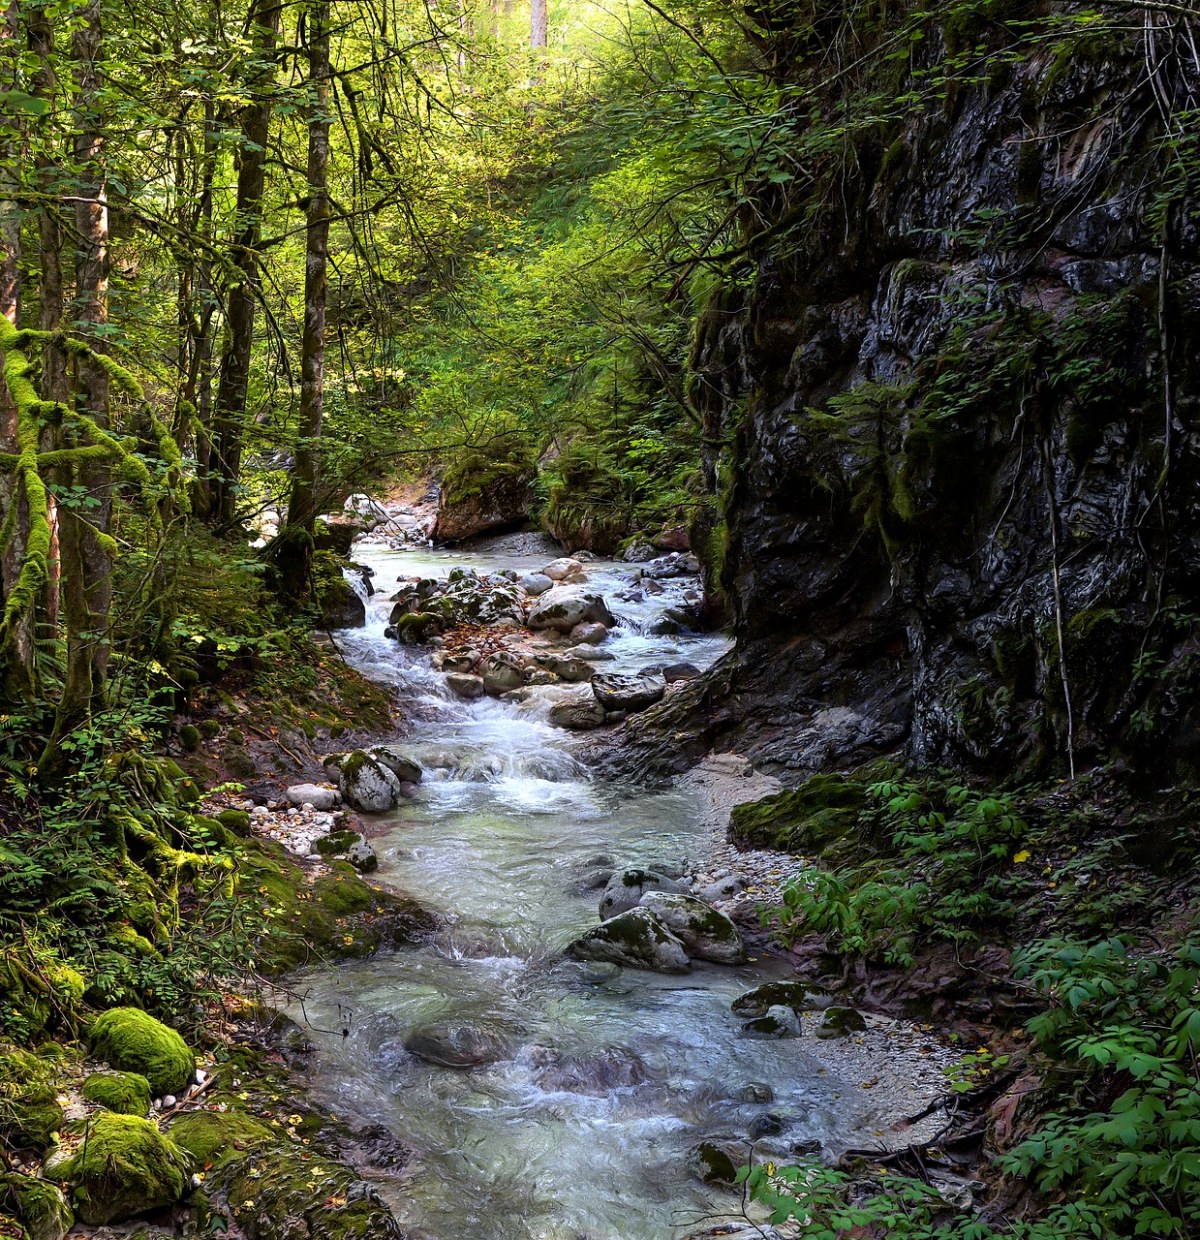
x: 40, y: 1207
x: 840, y: 1021
x: 133, y: 1041
x: 124, y: 1168
x: 339, y: 915
x: 798, y: 996
x: 235, y: 820
x: 29, y: 1110
x: 336, y: 843
x: 213, y: 1137
x: 274, y: 1193
x: 803, y: 820
x: 126, y: 1093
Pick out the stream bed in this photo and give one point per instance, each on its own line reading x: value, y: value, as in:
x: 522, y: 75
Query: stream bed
x: 602, y: 1079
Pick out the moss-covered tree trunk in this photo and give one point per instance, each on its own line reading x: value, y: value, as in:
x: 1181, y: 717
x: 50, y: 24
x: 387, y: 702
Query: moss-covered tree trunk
x: 242, y: 297
x: 17, y: 654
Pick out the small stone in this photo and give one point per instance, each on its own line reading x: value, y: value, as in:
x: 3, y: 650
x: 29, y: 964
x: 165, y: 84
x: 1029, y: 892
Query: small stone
x: 169, y: 1100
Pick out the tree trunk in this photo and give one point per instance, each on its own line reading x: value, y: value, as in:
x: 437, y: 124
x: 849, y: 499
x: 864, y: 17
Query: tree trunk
x: 83, y: 526
x: 234, y: 380
x: 537, y: 24
x: 40, y: 36
x: 17, y: 654
x: 297, y: 548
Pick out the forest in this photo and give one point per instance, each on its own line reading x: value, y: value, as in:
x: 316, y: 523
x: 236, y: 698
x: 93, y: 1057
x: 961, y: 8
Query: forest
x: 736, y: 462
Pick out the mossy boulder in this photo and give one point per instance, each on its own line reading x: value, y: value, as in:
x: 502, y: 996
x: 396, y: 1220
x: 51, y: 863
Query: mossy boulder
x: 235, y: 820
x: 40, y: 1207
x: 126, y: 1093
x: 124, y: 1168
x: 776, y: 1022
x: 213, y: 1137
x: 29, y: 1110
x: 706, y: 933
x: 133, y: 1041
x: 637, y: 939
x: 716, y: 1163
x: 339, y: 915
x: 802, y: 820
x: 336, y: 843
x: 798, y: 996
x: 276, y: 1193
x: 840, y: 1021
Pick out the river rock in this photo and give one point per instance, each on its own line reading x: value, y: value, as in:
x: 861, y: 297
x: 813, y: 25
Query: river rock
x: 775, y: 1022
x: 722, y: 889
x: 576, y: 715
x: 716, y: 1162
x: 570, y: 669
x: 625, y: 889
x: 319, y: 797
x: 628, y: 693
x: 757, y: 1002
x: 707, y: 934
x: 590, y: 633
x: 838, y: 1022
x: 565, y: 568
x: 362, y: 857
x: 595, y: 1074
x: 638, y: 552
x: 590, y: 653
x: 637, y: 939
x: 535, y: 583
x: 675, y: 672
x: 364, y: 782
x: 566, y: 606
x: 462, y: 663
x: 457, y: 1046
x: 469, y: 688
x: 401, y: 763
x: 502, y: 672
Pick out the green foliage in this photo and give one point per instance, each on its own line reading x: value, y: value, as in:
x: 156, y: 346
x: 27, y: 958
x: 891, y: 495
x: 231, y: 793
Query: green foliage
x: 946, y: 871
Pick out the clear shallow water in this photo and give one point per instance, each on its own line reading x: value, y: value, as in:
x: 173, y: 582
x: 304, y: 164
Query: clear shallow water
x: 604, y: 1079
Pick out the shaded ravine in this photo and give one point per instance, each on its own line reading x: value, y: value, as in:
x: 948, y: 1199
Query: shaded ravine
x: 599, y: 1080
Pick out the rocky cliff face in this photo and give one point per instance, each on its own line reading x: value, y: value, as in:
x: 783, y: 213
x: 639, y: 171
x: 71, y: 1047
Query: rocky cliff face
x: 957, y: 392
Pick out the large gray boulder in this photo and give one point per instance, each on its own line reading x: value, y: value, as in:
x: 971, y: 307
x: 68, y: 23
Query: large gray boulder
x: 637, y: 939
x: 707, y: 934
x: 451, y: 1045
x: 364, y: 782
x: 401, y: 763
x: 316, y: 795
x: 469, y: 688
x: 577, y: 715
x: 626, y: 888
x: 629, y: 693
x: 535, y: 584
x: 563, y: 607
x: 502, y: 672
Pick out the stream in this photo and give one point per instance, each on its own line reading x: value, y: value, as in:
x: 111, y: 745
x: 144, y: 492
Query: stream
x: 608, y: 1077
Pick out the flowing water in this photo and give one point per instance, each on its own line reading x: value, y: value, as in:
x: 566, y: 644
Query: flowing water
x: 605, y: 1078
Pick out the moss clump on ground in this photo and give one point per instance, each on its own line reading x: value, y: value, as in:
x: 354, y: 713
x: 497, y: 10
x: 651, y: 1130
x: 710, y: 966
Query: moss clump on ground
x: 124, y: 1167
x: 212, y: 1137
x: 29, y: 1111
x: 133, y: 1041
x: 805, y: 820
x: 126, y: 1093
x: 274, y: 1193
x: 40, y: 1207
x: 235, y: 820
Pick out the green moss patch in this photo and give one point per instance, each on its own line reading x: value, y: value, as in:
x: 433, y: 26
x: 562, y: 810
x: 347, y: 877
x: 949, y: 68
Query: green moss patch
x: 38, y: 1206
x: 337, y: 916
x: 29, y: 1111
x: 133, y: 1041
x: 124, y: 1168
x: 803, y: 820
x: 212, y: 1137
x: 126, y: 1093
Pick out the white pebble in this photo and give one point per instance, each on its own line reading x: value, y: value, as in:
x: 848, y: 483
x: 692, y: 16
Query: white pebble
x: 168, y: 1101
